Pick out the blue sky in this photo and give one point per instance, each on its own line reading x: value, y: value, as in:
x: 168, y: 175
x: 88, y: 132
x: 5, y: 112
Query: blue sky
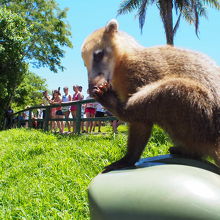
x: 86, y: 16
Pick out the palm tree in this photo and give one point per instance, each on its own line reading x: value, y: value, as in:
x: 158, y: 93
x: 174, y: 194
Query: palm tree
x: 190, y: 10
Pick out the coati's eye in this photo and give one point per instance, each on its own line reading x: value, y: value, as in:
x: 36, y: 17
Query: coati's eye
x: 98, y: 55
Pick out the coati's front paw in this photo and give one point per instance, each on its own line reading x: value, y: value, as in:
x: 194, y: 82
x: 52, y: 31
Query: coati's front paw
x: 101, y: 90
x: 122, y: 163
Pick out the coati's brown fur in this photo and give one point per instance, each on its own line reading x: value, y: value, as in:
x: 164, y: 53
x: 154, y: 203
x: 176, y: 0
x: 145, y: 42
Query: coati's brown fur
x: 175, y: 88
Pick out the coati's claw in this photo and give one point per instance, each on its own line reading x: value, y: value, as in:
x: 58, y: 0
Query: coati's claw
x: 105, y: 87
x: 101, y: 89
x: 97, y: 92
x: 120, y: 164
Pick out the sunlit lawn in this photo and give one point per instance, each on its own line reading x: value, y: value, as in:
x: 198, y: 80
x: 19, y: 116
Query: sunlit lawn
x: 45, y: 176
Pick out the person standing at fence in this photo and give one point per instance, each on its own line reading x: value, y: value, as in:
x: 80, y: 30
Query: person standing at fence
x: 40, y: 116
x: 21, y: 120
x: 45, y: 101
x: 80, y: 90
x: 82, y: 109
x: 27, y: 116
x: 59, y: 113
x: 9, y: 118
x: 77, y: 96
x: 114, y: 123
x: 90, y: 109
x: 53, y: 124
x: 66, y: 109
x: 100, y: 112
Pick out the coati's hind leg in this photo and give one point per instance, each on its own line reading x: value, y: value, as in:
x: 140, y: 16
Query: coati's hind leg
x: 180, y: 152
x: 138, y: 136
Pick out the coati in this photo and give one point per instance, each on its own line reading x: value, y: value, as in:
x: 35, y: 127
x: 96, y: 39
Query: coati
x: 175, y: 88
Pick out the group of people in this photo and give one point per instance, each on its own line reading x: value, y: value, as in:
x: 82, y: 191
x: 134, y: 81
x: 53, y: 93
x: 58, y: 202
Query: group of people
x: 88, y: 110
x: 60, y: 112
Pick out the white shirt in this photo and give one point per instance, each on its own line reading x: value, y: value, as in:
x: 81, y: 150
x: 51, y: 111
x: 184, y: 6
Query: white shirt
x: 99, y: 107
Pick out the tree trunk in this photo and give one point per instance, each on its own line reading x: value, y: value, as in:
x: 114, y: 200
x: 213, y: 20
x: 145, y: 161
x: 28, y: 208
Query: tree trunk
x: 166, y: 7
x: 11, y: 84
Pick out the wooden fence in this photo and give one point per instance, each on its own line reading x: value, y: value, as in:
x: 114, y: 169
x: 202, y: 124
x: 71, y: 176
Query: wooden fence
x: 46, y: 120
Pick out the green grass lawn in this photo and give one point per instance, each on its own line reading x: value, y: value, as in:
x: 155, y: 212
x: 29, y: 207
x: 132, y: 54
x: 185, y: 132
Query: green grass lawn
x: 45, y: 176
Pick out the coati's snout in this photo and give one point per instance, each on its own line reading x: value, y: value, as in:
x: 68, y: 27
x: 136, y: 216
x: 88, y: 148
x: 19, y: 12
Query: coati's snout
x: 99, y: 56
x: 101, y: 68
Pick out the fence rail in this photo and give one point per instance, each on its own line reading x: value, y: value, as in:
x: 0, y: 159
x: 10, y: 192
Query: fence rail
x: 47, y: 119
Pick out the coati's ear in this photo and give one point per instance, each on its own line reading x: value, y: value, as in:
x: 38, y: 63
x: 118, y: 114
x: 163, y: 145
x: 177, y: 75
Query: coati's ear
x: 112, y: 26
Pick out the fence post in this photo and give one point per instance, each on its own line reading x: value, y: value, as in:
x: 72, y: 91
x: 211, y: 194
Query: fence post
x: 47, y: 118
x: 19, y: 120
x: 78, y: 117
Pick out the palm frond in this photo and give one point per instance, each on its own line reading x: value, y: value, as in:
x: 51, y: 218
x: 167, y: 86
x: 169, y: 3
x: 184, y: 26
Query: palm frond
x: 193, y: 13
x: 196, y: 21
x: 180, y: 4
x: 188, y: 15
x: 142, y: 13
x: 190, y: 10
x: 177, y: 24
x: 202, y: 10
x: 213, y: 3
x: 127, y: 6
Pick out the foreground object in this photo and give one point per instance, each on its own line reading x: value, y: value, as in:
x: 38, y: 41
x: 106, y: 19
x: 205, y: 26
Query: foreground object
x: 152, y: 191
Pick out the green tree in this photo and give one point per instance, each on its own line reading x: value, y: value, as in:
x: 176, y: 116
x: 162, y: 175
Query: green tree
x: 49, y: 31
x: 190, y: 10
x: 13, y: 34
x: 29, y: 92
x: 48, y: 35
